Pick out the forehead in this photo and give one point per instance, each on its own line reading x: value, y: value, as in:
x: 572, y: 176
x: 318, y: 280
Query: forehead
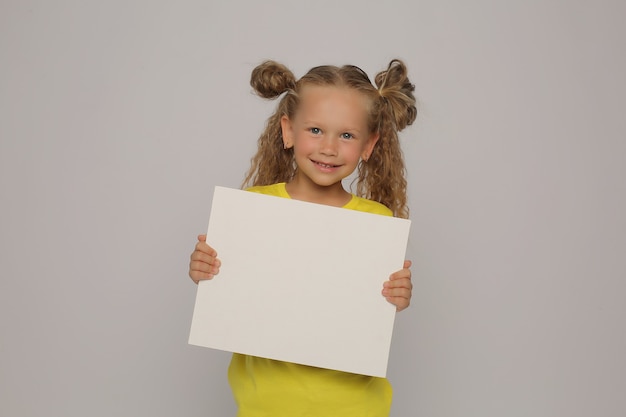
x: 334, y: 99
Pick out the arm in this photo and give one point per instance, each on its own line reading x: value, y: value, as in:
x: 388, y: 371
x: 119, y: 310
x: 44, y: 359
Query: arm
x: 204, y: 263
x: 398, y: 289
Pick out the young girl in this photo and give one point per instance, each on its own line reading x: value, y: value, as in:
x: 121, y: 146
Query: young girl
x: 328, y: 123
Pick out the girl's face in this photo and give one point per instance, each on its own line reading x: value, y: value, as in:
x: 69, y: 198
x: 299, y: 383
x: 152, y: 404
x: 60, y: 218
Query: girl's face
x: 329, y: 134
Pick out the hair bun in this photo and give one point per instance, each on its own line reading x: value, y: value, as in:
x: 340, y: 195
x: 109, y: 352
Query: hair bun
x: 394, y: 86
x: 270, y: 79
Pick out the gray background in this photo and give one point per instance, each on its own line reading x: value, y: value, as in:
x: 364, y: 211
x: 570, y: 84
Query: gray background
x: 117, y: 119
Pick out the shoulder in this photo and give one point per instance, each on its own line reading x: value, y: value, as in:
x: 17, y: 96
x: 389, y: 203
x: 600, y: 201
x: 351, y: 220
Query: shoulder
x: 274, y: 189
x: 369, y: 206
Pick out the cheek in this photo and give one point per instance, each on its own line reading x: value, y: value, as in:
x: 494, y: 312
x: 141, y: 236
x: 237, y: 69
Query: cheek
x: 304, y: 146
x: 308, y: 141
x: 354, y: 151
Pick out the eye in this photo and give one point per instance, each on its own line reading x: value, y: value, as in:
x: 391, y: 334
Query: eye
x: 315, y: 130
x: 346, y: 135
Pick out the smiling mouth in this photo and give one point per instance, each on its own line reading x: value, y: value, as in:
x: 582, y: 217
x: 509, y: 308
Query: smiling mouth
x: 324, y: 165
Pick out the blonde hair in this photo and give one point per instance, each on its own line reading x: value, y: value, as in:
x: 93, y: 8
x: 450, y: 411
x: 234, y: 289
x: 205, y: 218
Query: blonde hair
x: 393, y: 107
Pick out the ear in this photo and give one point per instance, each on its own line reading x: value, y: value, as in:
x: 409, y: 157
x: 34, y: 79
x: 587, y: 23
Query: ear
x: 287, y: 131
x: 369, y: 146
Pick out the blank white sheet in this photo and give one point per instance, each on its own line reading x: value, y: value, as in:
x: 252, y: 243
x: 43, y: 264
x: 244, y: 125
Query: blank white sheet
x: 299, y: 282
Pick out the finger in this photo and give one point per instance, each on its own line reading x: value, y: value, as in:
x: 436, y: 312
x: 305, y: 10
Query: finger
x: 197, y: 276
x: 204, y: 257
x: 398, y: 290
x: 203, y: 267
x: 398, y: 296
x: 401, y: 292
x: 200, y: 270
x: 398, y: 283
x: 204, y: 263
x: 205, y: 248
x: 399, y: 302
x: 403, y: 273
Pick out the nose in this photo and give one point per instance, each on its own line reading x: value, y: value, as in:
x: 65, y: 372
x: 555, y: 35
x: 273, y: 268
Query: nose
x: 329, y: 146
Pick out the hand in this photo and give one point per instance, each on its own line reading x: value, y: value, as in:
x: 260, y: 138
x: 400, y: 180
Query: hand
x: 204, y: 263
x: 398, y: 289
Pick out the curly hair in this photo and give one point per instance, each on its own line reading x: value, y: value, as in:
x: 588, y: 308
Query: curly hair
x: 392, y: 107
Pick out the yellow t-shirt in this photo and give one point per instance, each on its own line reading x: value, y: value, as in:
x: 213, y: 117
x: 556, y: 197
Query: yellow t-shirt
x: 356, y: 203
x: 269, y: 388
